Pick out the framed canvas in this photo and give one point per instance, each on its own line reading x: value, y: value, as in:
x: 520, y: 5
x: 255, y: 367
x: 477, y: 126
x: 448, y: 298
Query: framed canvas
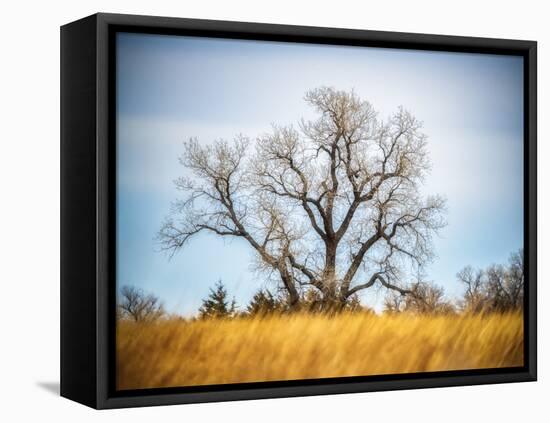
x: 257, y: 211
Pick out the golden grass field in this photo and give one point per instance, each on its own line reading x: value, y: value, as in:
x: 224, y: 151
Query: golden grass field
x: 182, y: 353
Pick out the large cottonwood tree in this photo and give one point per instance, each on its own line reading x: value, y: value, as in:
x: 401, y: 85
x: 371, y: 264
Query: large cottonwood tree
x: 333, y: 205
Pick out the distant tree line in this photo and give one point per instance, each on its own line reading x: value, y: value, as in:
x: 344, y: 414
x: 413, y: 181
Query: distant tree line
x: 497, y: 288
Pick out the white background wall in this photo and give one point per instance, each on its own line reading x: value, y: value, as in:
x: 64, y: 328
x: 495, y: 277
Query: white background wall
x: 29, y: 195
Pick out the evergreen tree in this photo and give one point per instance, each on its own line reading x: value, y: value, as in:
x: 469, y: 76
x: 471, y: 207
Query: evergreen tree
x: 264, y: 302
x: 217, y: 304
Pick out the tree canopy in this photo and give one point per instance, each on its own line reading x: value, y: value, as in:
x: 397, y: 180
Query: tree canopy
x: 332, y: 205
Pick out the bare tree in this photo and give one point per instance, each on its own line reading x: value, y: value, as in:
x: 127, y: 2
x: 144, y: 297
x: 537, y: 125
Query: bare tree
x: 505, y: 285
x: 138, y: 306
x: 332, y: 206
x: 497, y: 288
x: 516, y: 278
x: 475, y: 297
x: 394, y: 302
x: 424, y: 298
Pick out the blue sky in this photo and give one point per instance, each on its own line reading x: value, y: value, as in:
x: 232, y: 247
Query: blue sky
x: 171, y: 88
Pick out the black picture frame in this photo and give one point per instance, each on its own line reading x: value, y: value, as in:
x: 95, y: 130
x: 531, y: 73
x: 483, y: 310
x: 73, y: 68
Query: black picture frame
x: 88, y: 204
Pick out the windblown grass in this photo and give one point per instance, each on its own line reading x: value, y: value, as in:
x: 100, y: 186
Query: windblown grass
x: 179, y: 353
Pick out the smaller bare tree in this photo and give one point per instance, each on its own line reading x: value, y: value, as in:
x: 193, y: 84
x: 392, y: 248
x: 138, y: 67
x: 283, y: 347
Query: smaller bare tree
x: 394, y: 302
x: 504, y: 290
x: 134, y: 304
x: 516, y: 278
x: 423, y: 298
x: 498, y: 288
x: 475, y: 297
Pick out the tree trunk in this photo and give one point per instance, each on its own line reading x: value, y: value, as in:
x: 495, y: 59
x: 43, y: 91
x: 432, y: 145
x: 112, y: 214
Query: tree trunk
x: 329, y: 282
x: 288, y: 283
